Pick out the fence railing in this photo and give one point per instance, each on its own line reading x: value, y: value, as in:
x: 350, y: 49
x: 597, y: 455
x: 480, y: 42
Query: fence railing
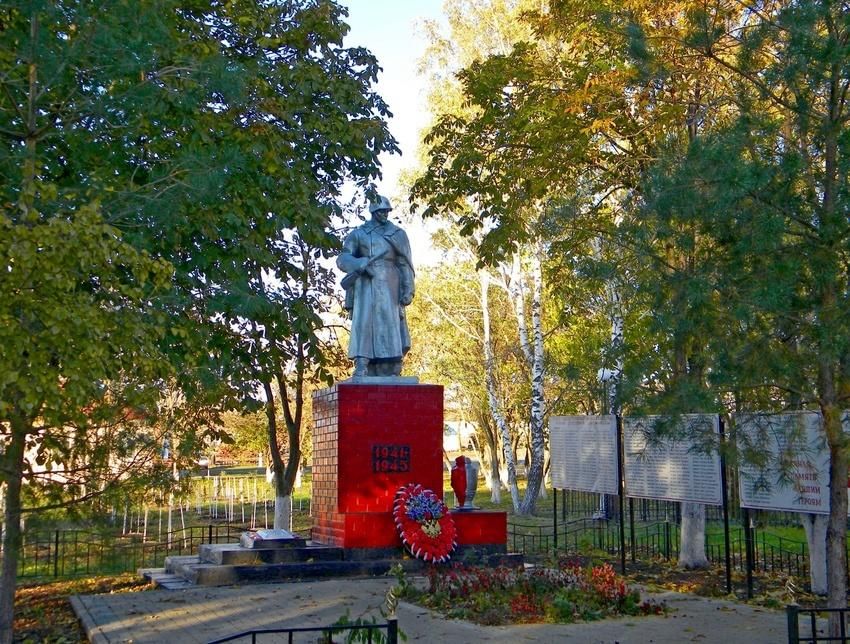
x: 813, y: 632
x: 773, y: 553
x: 327, y: 632
x: 576, y: 503
x: 70, y: 553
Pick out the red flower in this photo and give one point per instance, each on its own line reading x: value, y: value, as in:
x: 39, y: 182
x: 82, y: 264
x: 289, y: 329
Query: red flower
x: 429, y: 539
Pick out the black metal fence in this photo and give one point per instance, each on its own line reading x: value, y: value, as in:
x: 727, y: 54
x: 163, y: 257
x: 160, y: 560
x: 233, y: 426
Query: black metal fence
x: 772, y: 553
x: 367, y: 631
x: 656, y: 533
x: 811, y: 629
x: 72, y: 553
x: 576, y: 503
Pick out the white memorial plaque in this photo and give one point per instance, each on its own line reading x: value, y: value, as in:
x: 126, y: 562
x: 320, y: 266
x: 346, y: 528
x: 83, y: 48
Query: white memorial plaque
x: 794, y: 472
x: 676, y: 468
x: 584, y: 453
x: 266, y: 538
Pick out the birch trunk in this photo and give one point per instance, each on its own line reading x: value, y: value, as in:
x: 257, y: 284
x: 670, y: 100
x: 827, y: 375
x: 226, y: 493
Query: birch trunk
x: 492, y: 393
x: 494, y: 480
x: 535, y: 355
x: 495, y: 483
x: 815, y: 527
x: 283, y: 513
x: 692, y: 549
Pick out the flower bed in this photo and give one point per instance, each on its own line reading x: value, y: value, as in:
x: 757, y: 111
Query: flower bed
x: 502, y: 595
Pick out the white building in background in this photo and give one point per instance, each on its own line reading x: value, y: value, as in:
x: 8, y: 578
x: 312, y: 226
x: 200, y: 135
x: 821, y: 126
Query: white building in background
x: 459, y: 436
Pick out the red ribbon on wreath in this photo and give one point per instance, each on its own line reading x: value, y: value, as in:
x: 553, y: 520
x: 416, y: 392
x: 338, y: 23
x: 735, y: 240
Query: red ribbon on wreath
x: 424, y: 523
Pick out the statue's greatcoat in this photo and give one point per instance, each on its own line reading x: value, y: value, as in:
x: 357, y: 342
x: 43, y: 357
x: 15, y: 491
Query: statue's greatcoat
x: 377, y: 299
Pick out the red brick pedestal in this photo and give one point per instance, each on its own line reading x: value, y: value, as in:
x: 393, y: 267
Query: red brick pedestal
x: 368, y: 441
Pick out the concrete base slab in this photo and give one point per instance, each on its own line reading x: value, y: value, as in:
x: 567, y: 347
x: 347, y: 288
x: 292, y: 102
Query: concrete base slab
x: 235, y: 554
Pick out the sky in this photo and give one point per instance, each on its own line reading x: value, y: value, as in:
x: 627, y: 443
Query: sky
x: 387, y: 29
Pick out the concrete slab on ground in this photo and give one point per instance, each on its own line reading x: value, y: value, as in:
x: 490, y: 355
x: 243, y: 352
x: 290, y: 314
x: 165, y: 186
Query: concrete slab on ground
x: 200, y: 614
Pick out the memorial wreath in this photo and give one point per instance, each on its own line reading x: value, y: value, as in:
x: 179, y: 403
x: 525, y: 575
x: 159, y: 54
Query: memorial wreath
x: 424, y: 523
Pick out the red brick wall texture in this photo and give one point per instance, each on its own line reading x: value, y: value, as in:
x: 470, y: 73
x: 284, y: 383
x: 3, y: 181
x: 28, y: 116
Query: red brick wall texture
x: 368, y: 441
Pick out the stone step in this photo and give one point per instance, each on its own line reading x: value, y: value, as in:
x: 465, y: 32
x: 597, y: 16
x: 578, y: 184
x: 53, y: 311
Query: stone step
x: 183, y: 566
x: 163, y: 579
x: 223, y: 564
x: 234, y: 554
x: 207, y: 574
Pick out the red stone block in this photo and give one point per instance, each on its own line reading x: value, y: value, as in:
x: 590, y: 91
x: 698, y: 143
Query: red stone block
x: 371, y: 530
x: 479, y: 527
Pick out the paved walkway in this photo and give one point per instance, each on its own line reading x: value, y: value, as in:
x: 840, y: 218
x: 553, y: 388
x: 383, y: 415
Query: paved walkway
x: 200, y: 614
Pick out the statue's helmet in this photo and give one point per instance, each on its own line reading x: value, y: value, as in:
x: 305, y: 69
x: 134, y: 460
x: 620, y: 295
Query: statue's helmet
x: 381, y: 203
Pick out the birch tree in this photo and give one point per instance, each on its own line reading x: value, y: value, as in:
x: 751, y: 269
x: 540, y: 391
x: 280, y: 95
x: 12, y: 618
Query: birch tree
x: 492, y: 390
x: 469, y: 349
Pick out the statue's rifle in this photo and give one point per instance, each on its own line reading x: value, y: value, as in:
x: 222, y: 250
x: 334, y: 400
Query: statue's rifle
x: 349, y: 279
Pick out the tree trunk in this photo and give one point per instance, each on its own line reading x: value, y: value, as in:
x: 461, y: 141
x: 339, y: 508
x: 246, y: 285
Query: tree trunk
x: 276, y: 461
x: 293, y: 432
x: 836, y: 532
x: 494, y: 480
x: 692, y: 549
x: 543, y: 495
x: 831, y: 220
x: 492, y: 397
x: 285, y: 473
x: 536, y: 355
x: 13, y: 462
x: 283, y: 512
x: 815, y: 526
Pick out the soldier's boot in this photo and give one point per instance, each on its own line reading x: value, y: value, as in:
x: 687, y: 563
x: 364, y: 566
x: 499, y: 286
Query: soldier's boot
x: 361, y: 366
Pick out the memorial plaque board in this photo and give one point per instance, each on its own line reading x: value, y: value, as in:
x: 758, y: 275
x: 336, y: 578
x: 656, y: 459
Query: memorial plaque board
x: 674, y: 469
x: 795, y: 475
x: 584, y: 453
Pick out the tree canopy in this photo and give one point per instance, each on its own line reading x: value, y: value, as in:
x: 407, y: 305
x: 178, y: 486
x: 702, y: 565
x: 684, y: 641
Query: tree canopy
x: 690, y: 159
x: 171, y: 175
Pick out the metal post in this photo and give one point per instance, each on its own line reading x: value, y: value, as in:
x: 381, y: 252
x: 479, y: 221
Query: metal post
x: 56, y: 554
x: 724, y: 492
x: 621, y: 493
x: 749, y: 550
x: 392, y: 630
x: 564, y: 506
x: 555, y: 518
x: 667, y: 539
x: 209, y: 533
x: 792, y: 612
x: 632, y: 527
